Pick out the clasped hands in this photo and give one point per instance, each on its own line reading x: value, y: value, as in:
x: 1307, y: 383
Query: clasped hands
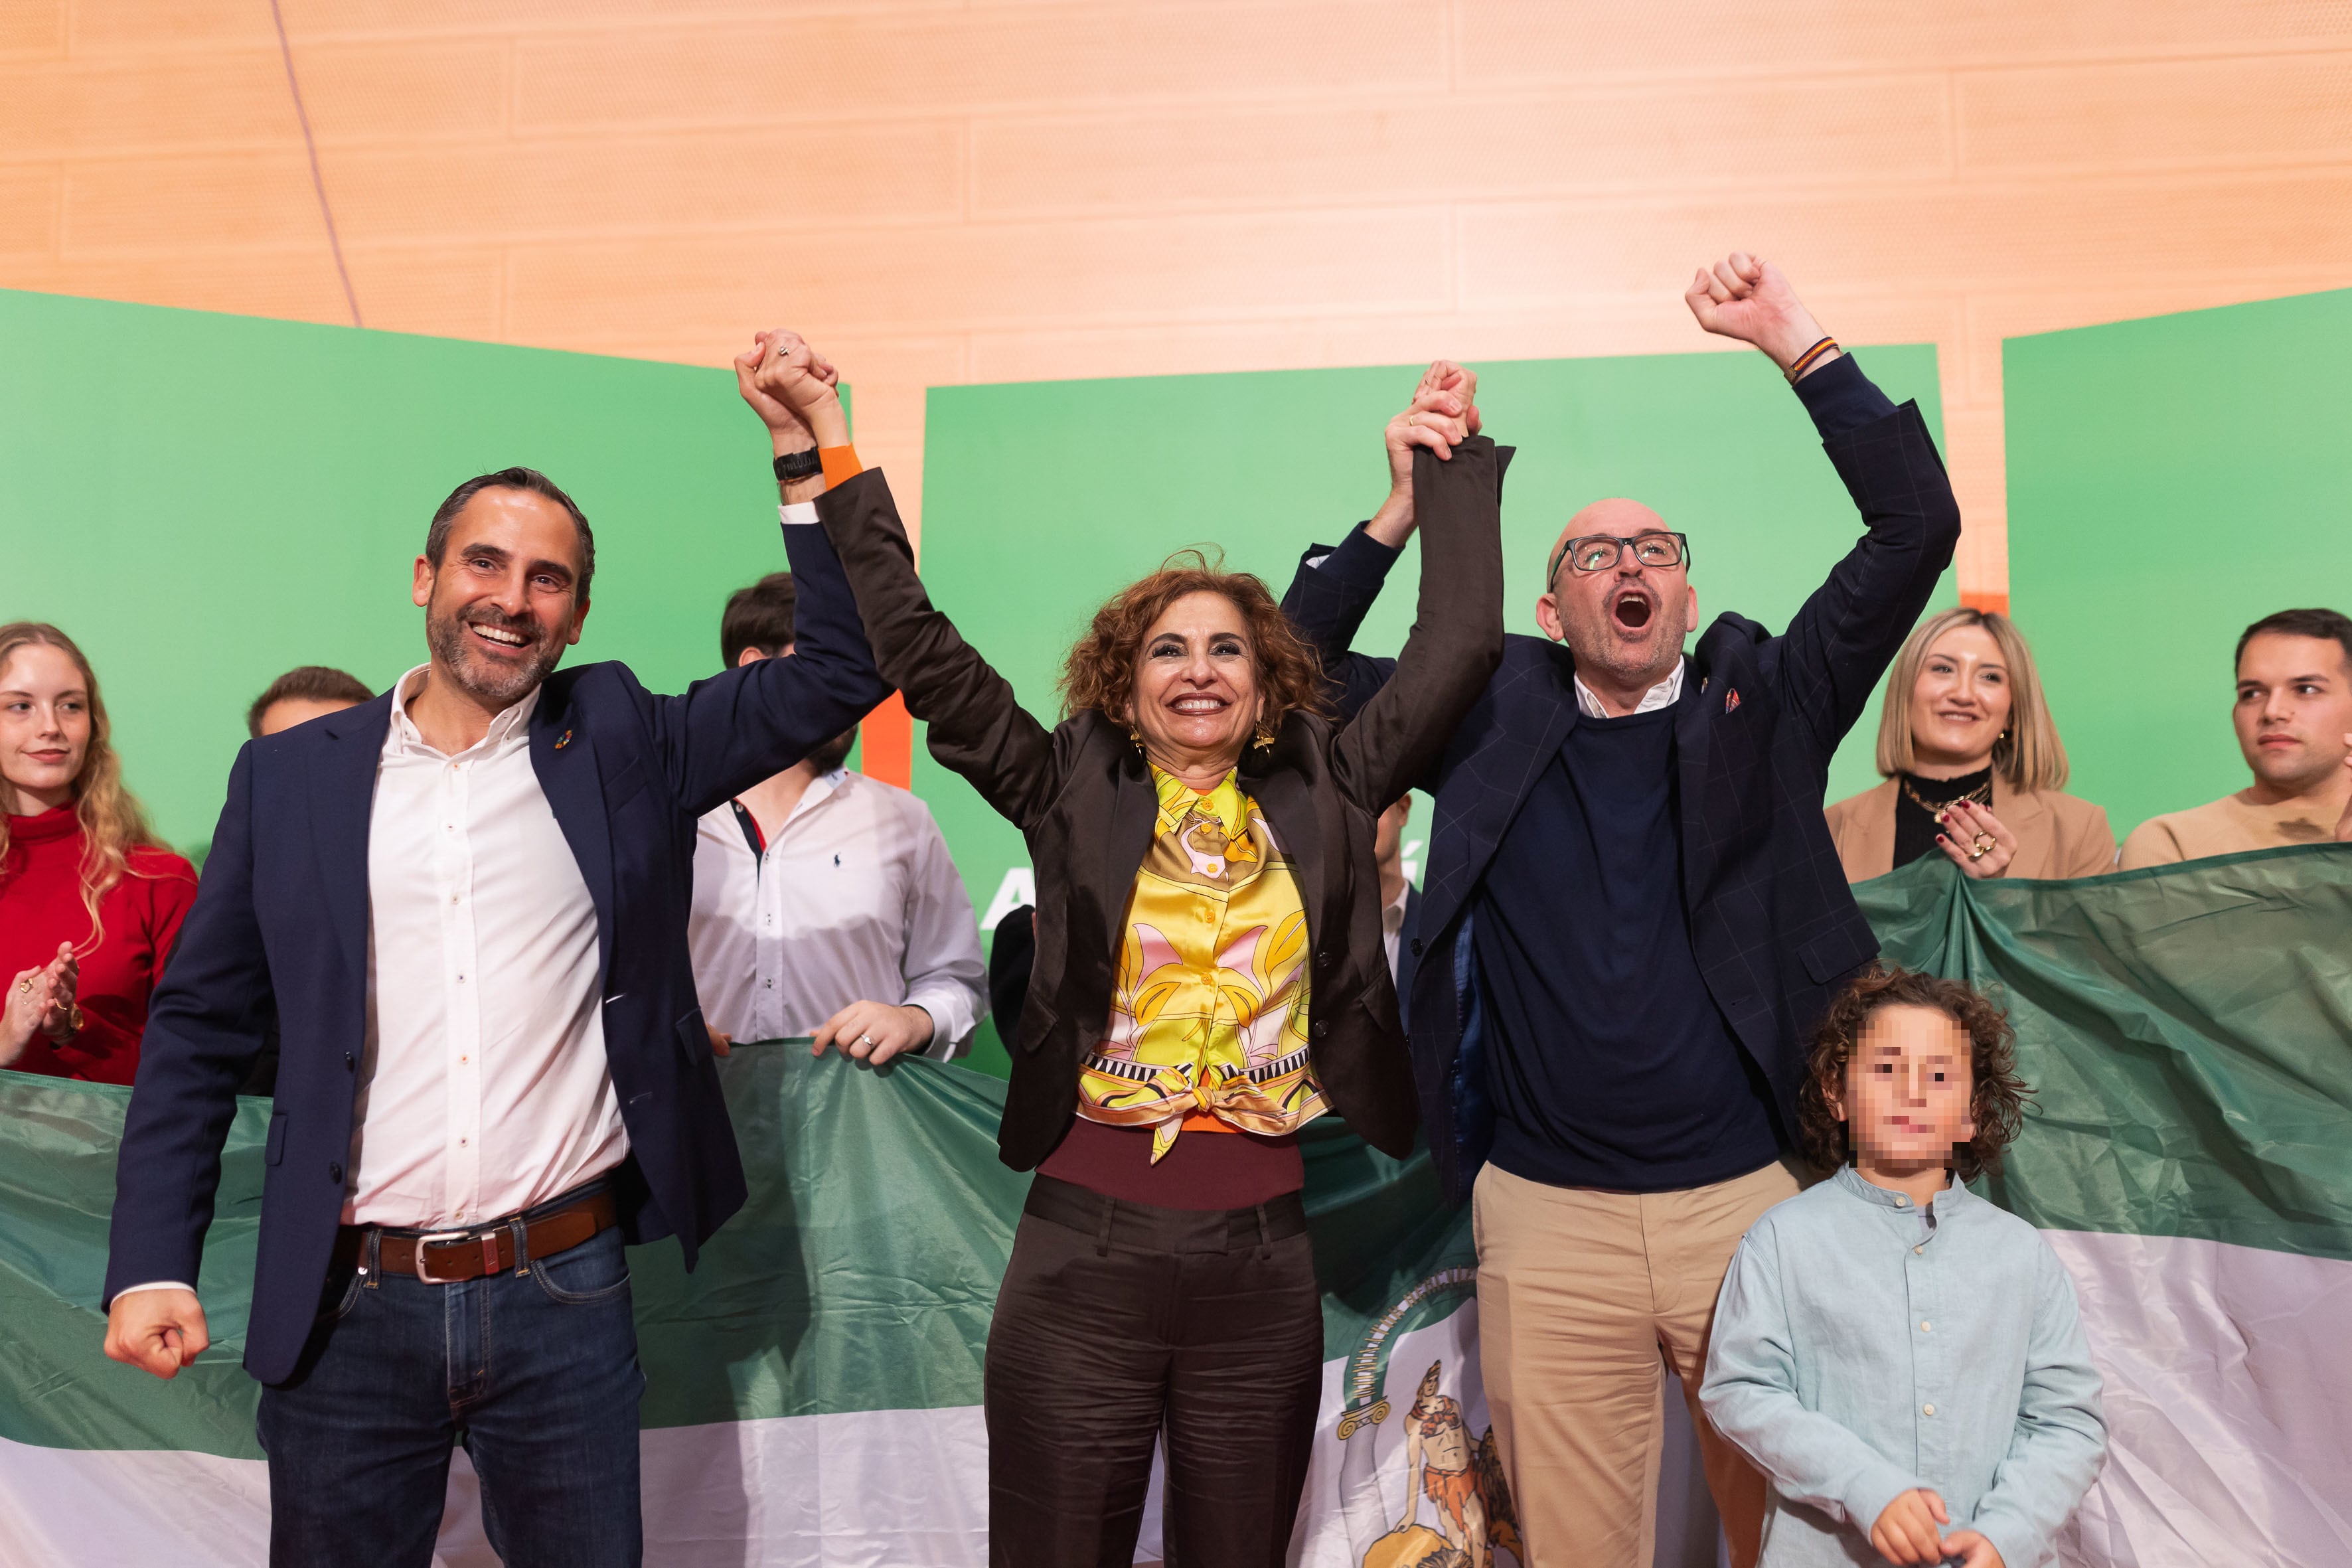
x: 794, y: 389
x: 40, y: 1001
x: 1907, y: 1533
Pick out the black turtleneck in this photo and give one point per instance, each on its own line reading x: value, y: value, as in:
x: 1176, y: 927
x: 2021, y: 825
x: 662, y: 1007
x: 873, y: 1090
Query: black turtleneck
x: 1916, y: 826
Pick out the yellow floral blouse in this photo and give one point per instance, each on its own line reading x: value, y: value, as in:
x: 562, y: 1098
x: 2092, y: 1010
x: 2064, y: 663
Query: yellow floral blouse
x: 1210, y: 1016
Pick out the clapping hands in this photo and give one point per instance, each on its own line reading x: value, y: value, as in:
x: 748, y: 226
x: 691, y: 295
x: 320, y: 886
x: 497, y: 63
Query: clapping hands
x: 40, y: 1001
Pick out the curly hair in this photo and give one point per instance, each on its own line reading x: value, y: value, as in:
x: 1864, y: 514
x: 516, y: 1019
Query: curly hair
x: 1997, y: 1095
x: 1099, y: 674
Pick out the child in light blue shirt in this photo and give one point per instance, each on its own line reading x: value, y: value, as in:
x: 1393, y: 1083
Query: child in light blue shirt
x: 1903, y: 1360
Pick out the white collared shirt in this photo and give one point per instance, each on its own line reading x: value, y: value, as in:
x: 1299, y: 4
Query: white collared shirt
x: 485, y: 1087
x: 855, y: 900
x: 1392, y: 925
x: 1665, y: 694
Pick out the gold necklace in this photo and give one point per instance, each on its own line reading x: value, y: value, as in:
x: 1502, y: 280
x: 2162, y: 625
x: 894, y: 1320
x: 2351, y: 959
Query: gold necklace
x: 1981, y: 795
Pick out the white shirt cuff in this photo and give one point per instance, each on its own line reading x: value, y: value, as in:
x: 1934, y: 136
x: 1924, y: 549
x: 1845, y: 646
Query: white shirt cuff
x: 153, y: 1285
x: 797, y: 511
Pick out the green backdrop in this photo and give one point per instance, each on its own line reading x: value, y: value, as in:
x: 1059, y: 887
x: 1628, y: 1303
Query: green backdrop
x: 1041, y: 500
x: 2171, y: 480
x: 203, y: 502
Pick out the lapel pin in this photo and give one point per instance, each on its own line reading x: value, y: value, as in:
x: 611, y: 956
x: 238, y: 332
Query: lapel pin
x: 1731, y: 699
x: 563, y: 739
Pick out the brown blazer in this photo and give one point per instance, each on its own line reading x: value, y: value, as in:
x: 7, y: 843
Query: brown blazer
x: 2057, y: 834
x: 1082, y: 796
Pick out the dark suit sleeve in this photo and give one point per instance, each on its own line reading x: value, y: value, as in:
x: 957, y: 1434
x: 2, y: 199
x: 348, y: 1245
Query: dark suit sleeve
x: 205, y: 1027
x: 977, y: 726
x: 725, y: 734
x: 1330, y: 596
x: 1841, y: 640
x: 1457, y: 632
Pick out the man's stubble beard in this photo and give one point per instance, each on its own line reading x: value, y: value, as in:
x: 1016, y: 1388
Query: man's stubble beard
x: 1668, y: 628
x: 446, y: 636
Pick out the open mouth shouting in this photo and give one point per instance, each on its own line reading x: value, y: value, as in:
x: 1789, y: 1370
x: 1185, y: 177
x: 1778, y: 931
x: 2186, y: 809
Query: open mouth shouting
x: 1632, y: 607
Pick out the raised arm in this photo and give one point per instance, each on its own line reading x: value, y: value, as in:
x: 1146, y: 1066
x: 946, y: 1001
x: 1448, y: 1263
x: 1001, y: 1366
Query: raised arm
x: 1457, y: 633
x: 1840, y: 643
x: 725, y: 734
x: 1334, y: 586
x: 977, y: 727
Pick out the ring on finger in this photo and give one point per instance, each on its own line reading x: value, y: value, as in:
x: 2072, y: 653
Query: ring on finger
x: 864, y: 1039
x: 1982, y: 842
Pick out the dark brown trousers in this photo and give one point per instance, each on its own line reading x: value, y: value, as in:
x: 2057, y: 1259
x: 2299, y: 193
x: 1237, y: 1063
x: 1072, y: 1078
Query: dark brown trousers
x: 1118, y: 1321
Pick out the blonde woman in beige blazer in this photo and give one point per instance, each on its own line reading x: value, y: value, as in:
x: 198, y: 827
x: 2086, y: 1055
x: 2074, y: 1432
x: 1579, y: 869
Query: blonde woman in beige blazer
x: 1973, y: 765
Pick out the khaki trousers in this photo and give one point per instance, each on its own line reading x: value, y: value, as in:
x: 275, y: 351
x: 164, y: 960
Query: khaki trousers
x: 1585, y: 1298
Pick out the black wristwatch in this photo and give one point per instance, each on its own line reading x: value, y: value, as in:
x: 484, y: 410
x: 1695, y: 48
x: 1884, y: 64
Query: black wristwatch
x: 800, y: 464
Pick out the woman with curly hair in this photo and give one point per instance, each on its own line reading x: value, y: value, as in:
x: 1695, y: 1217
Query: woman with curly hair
x: 1903, y: 1360
x: 1208, y: 977
x: 90, y: 901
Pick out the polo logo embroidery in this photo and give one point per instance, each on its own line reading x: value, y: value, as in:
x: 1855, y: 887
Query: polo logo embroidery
x: 1731, y: 699
x: 563, y: 739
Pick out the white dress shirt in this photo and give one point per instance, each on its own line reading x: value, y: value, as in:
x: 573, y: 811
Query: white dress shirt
x: 485, y: 1087
x: 1663, y: 694
x: 1392, y: 925
x: 854, y: 900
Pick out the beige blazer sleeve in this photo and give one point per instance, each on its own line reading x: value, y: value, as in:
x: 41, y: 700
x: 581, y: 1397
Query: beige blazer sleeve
x: 1862, y: 829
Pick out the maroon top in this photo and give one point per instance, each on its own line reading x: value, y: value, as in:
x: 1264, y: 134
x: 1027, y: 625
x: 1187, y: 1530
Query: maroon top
x: 41, y: 906
x: 1202, y: 1170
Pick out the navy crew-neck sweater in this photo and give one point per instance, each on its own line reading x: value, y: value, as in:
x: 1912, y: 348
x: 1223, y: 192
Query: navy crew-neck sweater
x: 1610, y: 1065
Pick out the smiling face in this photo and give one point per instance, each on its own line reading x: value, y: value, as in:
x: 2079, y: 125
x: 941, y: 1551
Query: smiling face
x: 2294, y: 710
x: 502, y: 605
x: 44, y: 728
x: 1960, y: 702
x: 1196, y: 688
x: 1906, y: 1101
x: 1625, y: 623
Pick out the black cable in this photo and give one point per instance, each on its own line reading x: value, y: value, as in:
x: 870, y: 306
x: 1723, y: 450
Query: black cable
x: 310, y: 144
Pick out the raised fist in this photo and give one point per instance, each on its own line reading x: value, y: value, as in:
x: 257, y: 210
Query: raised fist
x: 1747, y: 298
x: 793, y: 388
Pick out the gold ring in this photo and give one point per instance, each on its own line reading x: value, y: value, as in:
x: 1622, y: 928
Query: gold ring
x: 1983, y: 841
x: 25, y: 986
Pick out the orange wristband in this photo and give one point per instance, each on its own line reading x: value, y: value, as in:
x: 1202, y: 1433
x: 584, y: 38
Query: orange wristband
x: 841, y: 464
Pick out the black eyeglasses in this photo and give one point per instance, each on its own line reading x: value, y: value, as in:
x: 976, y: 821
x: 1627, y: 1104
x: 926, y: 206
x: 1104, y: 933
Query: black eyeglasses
x: 1602, y: 551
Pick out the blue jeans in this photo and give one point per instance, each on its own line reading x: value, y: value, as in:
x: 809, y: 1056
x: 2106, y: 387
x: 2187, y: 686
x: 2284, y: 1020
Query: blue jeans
x: 534, y: 1370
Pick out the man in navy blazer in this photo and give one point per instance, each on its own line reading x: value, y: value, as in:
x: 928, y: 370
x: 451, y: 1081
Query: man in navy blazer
x: 1632, y: 920
x: 464, y: 905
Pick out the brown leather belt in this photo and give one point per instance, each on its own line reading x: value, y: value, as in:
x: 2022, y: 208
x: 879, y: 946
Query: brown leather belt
x: 448, y: 1258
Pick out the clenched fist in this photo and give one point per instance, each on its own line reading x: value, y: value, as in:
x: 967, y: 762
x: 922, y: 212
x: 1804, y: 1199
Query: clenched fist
x: 156, y: 1330
x: 1747, y: 298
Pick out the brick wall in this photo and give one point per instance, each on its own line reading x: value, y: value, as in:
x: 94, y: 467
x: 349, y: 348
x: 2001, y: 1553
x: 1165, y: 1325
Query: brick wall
x: 944, y: 193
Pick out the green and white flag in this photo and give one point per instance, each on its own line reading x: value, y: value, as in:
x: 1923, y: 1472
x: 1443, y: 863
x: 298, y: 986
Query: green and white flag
x: 814, y: 1389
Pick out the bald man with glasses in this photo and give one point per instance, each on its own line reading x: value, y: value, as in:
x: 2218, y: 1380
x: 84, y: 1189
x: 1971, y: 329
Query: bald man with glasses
x: 1632, y: 919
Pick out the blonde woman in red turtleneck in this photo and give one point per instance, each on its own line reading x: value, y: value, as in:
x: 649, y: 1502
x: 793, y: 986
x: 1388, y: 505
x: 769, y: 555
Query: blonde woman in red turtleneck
x: 90, y: 902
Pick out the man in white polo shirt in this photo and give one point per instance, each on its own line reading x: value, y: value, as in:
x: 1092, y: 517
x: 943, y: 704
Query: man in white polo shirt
x: 825, y: 901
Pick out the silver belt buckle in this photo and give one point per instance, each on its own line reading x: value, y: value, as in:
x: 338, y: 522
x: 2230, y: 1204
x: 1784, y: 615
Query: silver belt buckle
x: 424, y: 1272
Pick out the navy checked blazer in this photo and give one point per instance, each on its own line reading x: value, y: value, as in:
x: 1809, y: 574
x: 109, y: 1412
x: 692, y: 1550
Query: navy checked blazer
x: 1774, y: 927
x: 279, y: 932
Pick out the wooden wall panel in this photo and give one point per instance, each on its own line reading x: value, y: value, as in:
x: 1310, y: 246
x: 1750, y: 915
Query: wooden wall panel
x: 943, y: 192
